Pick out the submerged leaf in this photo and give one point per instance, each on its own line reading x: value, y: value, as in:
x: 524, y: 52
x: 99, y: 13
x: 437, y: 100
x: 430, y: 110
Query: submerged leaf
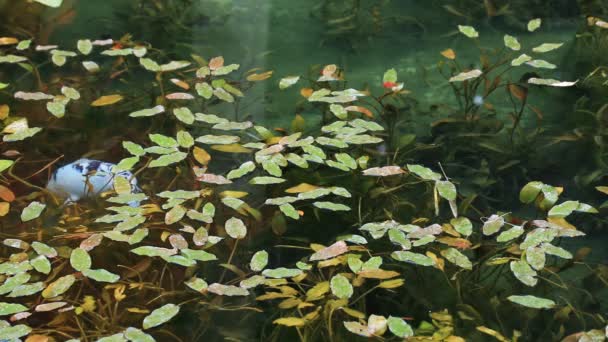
x: 532, y: 302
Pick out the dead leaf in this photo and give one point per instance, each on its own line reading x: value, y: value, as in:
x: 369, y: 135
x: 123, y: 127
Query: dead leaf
x: 8, y: 40
x: 449, y: 54
x: 216, y: 63
x: 6, y: 194
x: 106, y: 100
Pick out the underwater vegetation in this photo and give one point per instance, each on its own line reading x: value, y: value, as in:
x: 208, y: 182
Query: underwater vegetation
x: 205, y: 225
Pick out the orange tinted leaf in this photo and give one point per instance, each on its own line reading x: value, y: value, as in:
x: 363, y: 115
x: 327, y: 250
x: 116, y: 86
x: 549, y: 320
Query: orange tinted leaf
x: 180, y: 83
x: 201, y: 155
x: 302, y: 187
x: 6, y: 194
x: 8, y: 40
x: 4, y: 208
x: 260, y: 77
x: 361, y: 110
x: 216, y: 63
x: 106, y: 100
x: 449, y: 54
x: 306, y: 92
x: 519, y: 92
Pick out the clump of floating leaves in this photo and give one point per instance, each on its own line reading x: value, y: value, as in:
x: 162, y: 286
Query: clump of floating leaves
x: 279, y: 229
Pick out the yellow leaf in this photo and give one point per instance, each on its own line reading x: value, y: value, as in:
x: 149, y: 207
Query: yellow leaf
x: 88, y: 304
x: 560, y: 221
x: 8, y: 40
x: 164, y: 235
x: 288, y: 290
x: 106, y: 100
x: 439, y: 262
x: 449, y: 54
x: 273, y: 295
x: 233, y: 194
x: 4, y: 110
x: 312, y: 315
x: 260, y: 77
x: 317, y: 292
x: 332, y: 262
x: 493, y: 333
x: 231, y: 148
x: 122, y: 185
x: 391, y: 284
x: 138, y: 310
x: 302, y: 187
x: 354, y: 313
x: 4, y: 208
x: 306, y: 92
x: 290, y: 321
x: 298, y: 124
x: 603, y: 189
x: 201, y: 156
x: 289, y: 303
x: 378, y: 274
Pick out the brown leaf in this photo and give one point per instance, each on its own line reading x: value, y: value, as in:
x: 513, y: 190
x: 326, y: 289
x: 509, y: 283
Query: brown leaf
x: 260, y: 77
x: 334, y: 250
x: 520, y: 93
x: 91, y: 242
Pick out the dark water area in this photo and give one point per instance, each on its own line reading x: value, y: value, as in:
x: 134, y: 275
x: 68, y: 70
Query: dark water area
x: 328, y: 170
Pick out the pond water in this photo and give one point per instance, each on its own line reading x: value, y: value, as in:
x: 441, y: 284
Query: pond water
x: 327, y: 170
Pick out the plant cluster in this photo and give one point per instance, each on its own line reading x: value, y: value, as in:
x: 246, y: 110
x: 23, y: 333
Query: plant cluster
x: 316, y: 233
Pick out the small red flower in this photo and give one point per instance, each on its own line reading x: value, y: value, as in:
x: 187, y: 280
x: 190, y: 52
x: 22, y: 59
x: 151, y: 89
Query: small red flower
x: 389, y: 85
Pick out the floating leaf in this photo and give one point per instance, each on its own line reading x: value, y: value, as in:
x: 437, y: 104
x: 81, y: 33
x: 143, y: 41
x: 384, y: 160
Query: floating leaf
x: 33, y: 96
x: 184, y: 115
x: 218, y: 139
x: 357, y: 328
x: 463, y: 76
x: 457, y: 258
x: 13, y: 333
x: 510, y: 234
x: 32, y: 211
x: 244, y: 169
x: 235, y: 228
x: 106, y: 100
x: 424, y: 172
x: 468, y: 31
x: 168, y: 159
x: 59, y: 286
x: 41, y: 264
x: 101, y: 275
x: 266, y: 180
x: 5, y: 164
x: 341, y: 287
x: 80, y: 259
x: 449, y: 54
x: 532, y: 302
x: 160, y: 315
x: 197, y: 284
x: 136, y: 335
x: 521, y: 60
x: 446, y: 190
x: 153, y: 251
x: 462, y: 225
x: 564, y: 209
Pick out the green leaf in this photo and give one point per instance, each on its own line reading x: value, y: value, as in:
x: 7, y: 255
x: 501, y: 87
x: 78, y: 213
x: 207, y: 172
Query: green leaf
x: 148, y: 112
x: 424, y: 172
x: 11, y: 308
x: 546, y: 47
x: 218, y: 139
x: 32, y: 211
x: 564, y: 209
x: 184, y: 115
x: 390, y: 75
x: 235, y: 228
x: 5, y: 164
x: 59, y: 286
x: 523, y: 58
x: 26, y: 289
x: 414, y: 258
x: 41, y: 264
x: 266, y: 180
x: 512, y: 42
x: 287, y: 82
x: 289, y: 211
x: 12, y: 333
x: 462, y: 225
x: 542, y: 64
x: 168, y: 159
x: 530, y: 191
x: 446, y: 190
x: 80, y: 260
x: 338, y: 111
x: 258, y: 261
x: 399, y: 327
x: 204, y: 90
x: 101, y: 275
x: 532, y: 302
x: 331, y: 206
x: 84, y: 46
x: 227, y: 290
x: 341, y: 287
x: 466, y: 75
x: 136, y: 335
x: 160, y: 315
x: 534, y: 24
x: 510, y: 234
x: 281, y: 272
x: 524, y: 272
x: 22, y: 134
x: 457, y: 258
x: 493, y: 224
x: 468, y: 31
x: 163, y: 140
x: 245, y: 168
x: 197, y: 284
x: 199, y: 255
x: 535, y: 256
x: 153, y: 251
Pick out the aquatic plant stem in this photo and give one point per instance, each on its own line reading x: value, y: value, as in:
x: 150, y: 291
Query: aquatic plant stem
x: 229, y: 262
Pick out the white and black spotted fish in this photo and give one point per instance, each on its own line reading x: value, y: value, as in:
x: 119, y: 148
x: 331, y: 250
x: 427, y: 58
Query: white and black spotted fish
x: 87, y: 178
